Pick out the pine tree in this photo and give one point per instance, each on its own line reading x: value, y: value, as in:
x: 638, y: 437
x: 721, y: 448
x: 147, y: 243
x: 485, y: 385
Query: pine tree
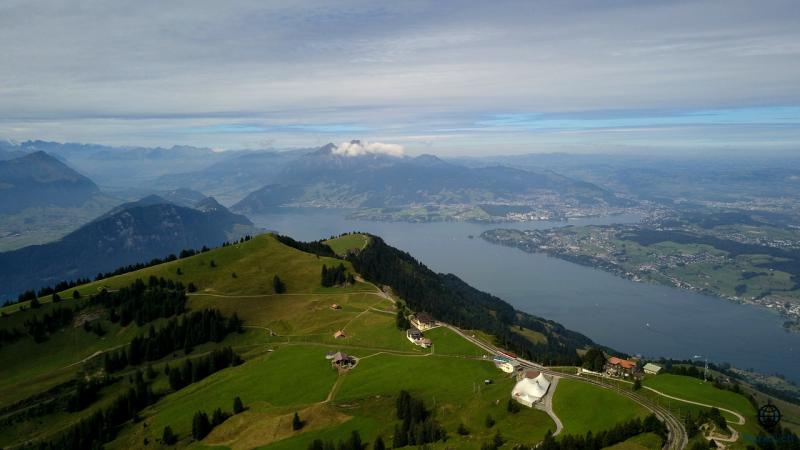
x: 200, y: 425
x: 278, y: 285
x: 238, y: 407
x: 76, y: 295
x: 379, y: 444
x: 489, y: 421
x: 168, y: 437
x: 637, y: 384
x: 296, y: 422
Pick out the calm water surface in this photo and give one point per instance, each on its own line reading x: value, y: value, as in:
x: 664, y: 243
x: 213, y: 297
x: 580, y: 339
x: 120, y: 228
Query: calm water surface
x: 633, y: 317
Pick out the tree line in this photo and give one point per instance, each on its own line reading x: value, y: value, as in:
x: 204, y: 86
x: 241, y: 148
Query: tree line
x: 141, y: 302
x: 103, y: 425
x: 417, y: 426
x: 186, y: 332
x: 195, y: 369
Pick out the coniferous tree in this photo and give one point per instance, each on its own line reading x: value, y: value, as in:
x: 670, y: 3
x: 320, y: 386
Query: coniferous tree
x: 238, y: 407
x: 200, y: 425
x: 296, y: 422
x: 76, y: 295
x: 379, y: 444
x: 278, y: 285
x: 168, y: 437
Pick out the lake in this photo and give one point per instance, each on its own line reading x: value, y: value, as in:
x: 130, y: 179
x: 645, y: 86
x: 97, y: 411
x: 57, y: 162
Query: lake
x: 632, y: 317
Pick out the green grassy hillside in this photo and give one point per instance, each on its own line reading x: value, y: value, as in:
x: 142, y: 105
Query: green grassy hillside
x: 284, y: 344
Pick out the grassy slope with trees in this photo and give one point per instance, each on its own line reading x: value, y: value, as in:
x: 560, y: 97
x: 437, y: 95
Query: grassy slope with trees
x: 283, y: 344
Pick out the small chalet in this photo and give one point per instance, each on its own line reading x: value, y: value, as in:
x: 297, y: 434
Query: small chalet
x: 423, y: 321
x: 336, y: 306
x: 620, y: 367
x: 339, y: 334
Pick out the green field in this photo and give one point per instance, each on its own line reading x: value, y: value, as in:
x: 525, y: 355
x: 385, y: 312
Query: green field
x: 343, y: 244
x: 584, y: 407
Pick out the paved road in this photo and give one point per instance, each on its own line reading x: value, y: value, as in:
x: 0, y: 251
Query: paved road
x: 676, y: 439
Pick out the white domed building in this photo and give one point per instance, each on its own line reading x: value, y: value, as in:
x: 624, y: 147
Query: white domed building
x: 530, y: 388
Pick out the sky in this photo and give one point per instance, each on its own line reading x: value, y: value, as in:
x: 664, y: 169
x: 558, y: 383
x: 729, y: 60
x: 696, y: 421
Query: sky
x: 444, y: 77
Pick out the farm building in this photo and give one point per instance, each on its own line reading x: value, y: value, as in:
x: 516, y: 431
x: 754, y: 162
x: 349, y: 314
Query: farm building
x: 423, y: 321
x: 339, y: 334
x: 336, y: 306
x: 531, y: 386
x: 416, y: 337
x: 652, y: 369
x: 620, y: 367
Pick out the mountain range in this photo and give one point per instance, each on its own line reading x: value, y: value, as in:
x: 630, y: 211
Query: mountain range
x: 328, y: 178
x: 132, y: 233
x: 38, y: 179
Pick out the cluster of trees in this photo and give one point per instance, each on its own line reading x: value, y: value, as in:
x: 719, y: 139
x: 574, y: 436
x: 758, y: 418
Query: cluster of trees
x: 417, y: 427
x: 689, y: 371
x: 401, y: 320
x: 594, y: 359
x: 606, y: 438
x: 195, y: 369
x: 713, y: 415
x: 94, y: 326
x: 336, y: 276
x: 142, y: 302
x: 351, y: 443
x: 202, y: 426
x: 55, y: 399
x: 61, y: 286
x: 86, y: 393
x: 241, y: 240
x: 449, y: 299
x: 50, y: 323
x: 318, y: 248
x: 195, y: 328
x: 102, y: 426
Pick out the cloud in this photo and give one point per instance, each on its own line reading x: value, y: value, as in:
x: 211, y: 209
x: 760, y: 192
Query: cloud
x: 232, y: 73
x: 358, y: 148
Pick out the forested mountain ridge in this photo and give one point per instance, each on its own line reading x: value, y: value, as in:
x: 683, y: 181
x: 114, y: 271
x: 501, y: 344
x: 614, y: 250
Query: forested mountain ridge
x: 135, y: 233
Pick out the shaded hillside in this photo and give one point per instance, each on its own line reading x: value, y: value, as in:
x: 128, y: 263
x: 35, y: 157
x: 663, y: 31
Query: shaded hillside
x: 136, y: 233
x: 327, y: 178
x: 38, y: 179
